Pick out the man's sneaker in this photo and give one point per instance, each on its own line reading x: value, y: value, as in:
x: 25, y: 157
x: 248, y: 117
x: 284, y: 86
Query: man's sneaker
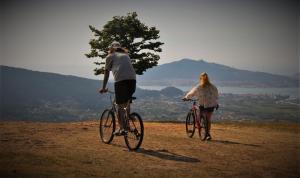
x: 119, y: 132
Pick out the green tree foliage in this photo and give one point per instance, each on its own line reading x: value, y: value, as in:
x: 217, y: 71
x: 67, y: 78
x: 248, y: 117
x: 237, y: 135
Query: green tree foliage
x: 140, y: 40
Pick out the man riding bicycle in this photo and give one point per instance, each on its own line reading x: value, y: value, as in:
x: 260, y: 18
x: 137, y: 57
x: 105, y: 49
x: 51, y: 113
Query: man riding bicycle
x: 207, y: 95
x: 119, y: 62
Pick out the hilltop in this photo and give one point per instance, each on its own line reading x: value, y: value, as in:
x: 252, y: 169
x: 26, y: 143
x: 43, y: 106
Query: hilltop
x: 74, y: 150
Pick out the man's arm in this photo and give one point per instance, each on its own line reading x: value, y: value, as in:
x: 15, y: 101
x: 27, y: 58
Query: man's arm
x: 105, y: 80
x: 108, y: 65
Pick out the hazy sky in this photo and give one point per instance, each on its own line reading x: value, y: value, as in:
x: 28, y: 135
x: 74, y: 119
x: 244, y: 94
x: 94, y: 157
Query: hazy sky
x: 53, y: 35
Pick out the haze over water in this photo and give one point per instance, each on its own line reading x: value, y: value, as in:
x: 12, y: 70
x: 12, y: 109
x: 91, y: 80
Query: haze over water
x: 292, y: 92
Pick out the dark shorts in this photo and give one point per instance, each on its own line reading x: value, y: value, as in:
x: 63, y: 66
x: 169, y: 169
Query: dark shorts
x: 209, y: 109
x: 124, y: 90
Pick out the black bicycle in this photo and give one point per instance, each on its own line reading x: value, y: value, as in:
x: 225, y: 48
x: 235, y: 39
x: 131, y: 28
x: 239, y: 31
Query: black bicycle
x: 133, y: 125
x: 195, y: 120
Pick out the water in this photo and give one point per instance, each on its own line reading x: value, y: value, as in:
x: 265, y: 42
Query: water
x: 292, y: 92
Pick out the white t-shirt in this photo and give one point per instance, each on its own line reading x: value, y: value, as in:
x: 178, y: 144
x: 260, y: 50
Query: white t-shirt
x: 120, y: 65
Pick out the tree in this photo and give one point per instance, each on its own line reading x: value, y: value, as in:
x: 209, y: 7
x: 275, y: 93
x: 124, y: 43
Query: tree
x: 140, y: 40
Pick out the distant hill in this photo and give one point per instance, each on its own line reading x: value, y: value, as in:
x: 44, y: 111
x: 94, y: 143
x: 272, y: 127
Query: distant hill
x: 27, y: 94
x: 40, y: 96
x: 296, y: 76
x: 33, y: 95
x: 172, y: 92
x: 186, y: 72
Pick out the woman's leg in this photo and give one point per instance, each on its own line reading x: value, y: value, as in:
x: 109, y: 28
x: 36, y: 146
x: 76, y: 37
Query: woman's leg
x: 208, y: 116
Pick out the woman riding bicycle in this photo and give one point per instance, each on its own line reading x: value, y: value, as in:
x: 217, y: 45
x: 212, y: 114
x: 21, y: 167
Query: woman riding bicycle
x: 207, y: 95
x: 124, y: 74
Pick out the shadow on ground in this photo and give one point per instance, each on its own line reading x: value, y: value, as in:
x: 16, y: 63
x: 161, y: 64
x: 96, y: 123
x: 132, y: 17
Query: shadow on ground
x: 165, y: 154
x: 232, y: 143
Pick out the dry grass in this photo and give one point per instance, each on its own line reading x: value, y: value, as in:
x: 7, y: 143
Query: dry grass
x: 73, y: 150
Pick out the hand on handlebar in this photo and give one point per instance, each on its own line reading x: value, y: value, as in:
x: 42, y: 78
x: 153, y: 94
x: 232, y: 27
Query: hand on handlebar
x: 185, y: 99
x: 103, y: 90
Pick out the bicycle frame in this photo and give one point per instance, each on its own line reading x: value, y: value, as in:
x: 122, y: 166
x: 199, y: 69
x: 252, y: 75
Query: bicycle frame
x: 196, y: 111
x: 112, y: 101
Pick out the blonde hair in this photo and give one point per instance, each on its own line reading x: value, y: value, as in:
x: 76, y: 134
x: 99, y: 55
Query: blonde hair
x: 204, y: 80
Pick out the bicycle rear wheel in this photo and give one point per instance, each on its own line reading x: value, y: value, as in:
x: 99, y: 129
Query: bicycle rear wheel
x: 203, y: 130
x: 135, y: 131
x: 107, y: 126
x: 190, y: 124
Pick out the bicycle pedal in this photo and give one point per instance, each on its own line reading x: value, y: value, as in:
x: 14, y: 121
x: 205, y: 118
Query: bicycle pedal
x: 117, y: 134
x: 120, y: 133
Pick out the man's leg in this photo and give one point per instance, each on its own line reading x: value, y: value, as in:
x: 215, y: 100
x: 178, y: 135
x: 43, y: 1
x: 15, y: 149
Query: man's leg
x: 124, y: 91
x: 121, y: 113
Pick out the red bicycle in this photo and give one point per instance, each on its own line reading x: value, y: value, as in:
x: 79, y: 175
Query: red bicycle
x: 196, y: 119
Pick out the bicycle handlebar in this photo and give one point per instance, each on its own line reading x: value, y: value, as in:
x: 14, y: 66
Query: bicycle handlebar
x: 185, y: 99
x: 195, y: 100
x: 111, y: 92
x: 107, y: 91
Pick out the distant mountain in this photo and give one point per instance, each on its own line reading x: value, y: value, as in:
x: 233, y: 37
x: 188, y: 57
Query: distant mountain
x: 172, y: 92
x: 40, y: 96
x: 186, y: 72
x: 27, y: 94
x: 32, y: 95
x: 296, y: 76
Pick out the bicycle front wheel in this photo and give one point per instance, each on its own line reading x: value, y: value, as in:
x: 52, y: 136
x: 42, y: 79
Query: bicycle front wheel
x: 107, y: 126
x: 135, y: 131
x: 190, y: 124
x: 203, y: 130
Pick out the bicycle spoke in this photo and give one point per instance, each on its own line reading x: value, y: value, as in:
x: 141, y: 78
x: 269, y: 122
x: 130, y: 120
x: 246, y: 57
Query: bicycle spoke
x: 107, y: 126
x: 203, y: 128
x: 190, y: 124
x: 135, y: 133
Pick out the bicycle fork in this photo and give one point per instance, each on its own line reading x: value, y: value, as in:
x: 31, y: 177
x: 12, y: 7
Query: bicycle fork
x: 197, y: 115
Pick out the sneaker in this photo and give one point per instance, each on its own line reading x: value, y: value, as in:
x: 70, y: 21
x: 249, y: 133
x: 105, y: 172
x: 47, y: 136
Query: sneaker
x: 208, y: 137
x: 119, y: 132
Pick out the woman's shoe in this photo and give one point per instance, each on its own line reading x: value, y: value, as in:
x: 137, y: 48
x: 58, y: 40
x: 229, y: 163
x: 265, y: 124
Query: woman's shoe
x: 208, y: 137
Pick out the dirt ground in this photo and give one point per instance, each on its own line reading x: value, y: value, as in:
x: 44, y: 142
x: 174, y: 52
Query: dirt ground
x: 31, y: 149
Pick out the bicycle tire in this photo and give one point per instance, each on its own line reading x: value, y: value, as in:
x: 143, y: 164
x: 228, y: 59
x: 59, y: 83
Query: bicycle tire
x: 190, y: 124
x: 135, y: 131
x: 107, y: 123
x: 203, y: 130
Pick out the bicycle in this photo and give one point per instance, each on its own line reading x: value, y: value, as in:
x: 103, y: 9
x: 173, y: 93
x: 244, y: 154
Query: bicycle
x: 132, y: 123
x: 194, y: 120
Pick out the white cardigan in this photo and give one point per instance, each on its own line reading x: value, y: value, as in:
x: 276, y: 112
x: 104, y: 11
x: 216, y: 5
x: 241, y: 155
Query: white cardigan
x: 207, y: 96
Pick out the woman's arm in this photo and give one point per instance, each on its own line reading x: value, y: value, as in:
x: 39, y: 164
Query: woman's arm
x: 215, y: 95
x: 191, y: 93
